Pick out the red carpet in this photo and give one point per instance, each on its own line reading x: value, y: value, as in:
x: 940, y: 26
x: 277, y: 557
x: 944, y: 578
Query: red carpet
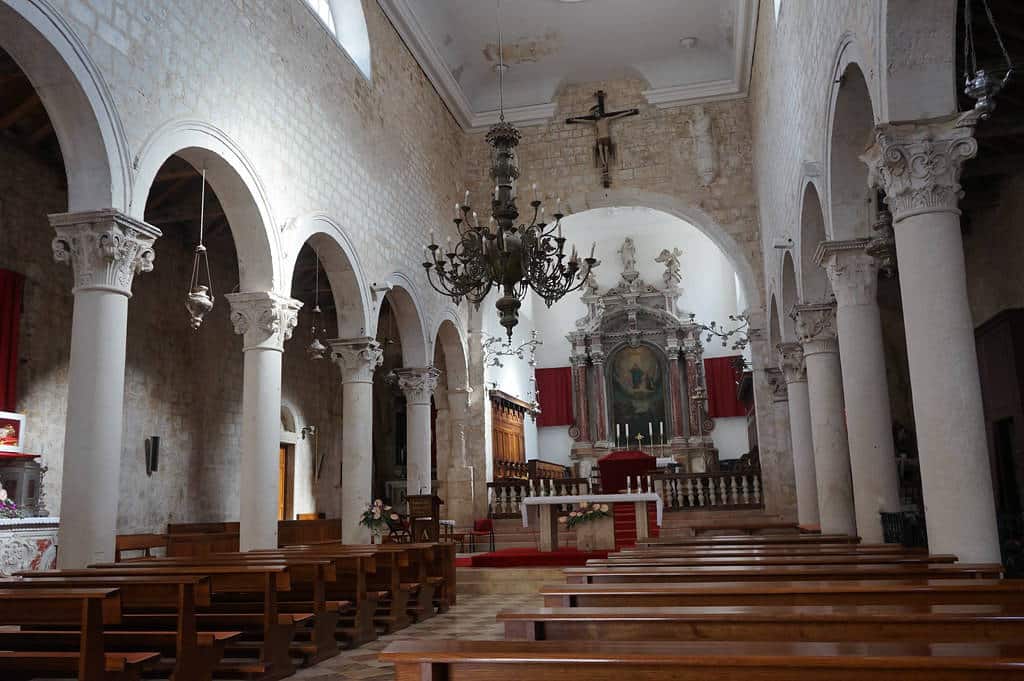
x: 534, y: 558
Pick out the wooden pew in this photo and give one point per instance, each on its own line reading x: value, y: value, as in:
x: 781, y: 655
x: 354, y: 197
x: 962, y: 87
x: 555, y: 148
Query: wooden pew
x: 753, y: 541
x: 833, y: 559
x: 268, y: 632
x: 311, y: 572
x: 89, y: 610
x: 751, y: 527
x: 703, y: 661
x: 138, y: 542
x: 186, y: 653
x: 927, y: 624
x: 806, y: 592
x: 769, y: 550
x: 622, y: 574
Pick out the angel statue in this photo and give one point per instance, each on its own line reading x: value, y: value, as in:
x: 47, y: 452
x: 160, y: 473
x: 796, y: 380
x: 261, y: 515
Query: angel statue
x: 672, y: 275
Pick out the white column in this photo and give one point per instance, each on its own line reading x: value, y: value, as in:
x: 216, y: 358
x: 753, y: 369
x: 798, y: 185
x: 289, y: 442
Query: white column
x: 461, y: 493
x: 817, y: 333
x: 801, y: 440
x: 265, y: 320
x: 357, y: 358
x: 854, y: 277
x: 105, y: 250
x: 418, y: 385
x: 918, y: 165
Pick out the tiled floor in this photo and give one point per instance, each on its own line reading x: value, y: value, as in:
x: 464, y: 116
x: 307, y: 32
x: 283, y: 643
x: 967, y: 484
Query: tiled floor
x: 472, y: 618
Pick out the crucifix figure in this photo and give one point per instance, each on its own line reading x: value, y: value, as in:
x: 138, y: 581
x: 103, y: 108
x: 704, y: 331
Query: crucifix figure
x: 604, y: 149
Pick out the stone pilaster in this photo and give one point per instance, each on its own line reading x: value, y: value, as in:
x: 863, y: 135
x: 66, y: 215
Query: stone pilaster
x: 265, y: 320
x: 816, y: 331
x: 461, y: 491
x: 418, y: 384
x: 918, y: 165
x: 357, y: 359
x: 854, y: 277
x: 105, y: 250
x: 602, y: 430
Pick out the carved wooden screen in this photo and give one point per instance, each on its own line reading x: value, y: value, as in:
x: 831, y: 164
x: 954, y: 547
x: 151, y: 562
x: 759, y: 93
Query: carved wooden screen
x: 508, y: 439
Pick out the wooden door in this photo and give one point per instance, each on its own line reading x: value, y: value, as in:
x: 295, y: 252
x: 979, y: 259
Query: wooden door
x: 282, y: 483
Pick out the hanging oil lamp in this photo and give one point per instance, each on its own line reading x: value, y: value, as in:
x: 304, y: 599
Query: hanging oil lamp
x: 316, y: 349
x: 200, y: 290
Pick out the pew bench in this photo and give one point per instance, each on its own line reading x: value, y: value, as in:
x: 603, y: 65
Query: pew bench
x: 89, y: 611
x: 843, y: 559
x: 804, y: 592
x: 702, y: 661
x: 934, y: 623
x: 623, y: 574
x: 753, y: 540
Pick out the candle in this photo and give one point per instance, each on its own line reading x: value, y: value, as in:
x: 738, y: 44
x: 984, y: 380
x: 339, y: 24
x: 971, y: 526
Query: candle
x: 650, y: 431
x: 466, y: 201
x: 496, y: 191
x: 618, y: 432
x: 426, y: 254
x: 475, y: 223
x: 432, y: 242
x: 534, y: 188
x: 593, y: 248
x: 627, y: 433
x: 558, y: 203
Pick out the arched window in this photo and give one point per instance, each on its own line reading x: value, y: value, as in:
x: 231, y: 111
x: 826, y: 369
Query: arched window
x: 778, y: 8
x: 344, y: 19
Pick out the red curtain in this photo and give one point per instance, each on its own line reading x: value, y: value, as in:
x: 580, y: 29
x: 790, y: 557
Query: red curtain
x: 11, y: 286
x: 722, y: 376
x: 555, y: 386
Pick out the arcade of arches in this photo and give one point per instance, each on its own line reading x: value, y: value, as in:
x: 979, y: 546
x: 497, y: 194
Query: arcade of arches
x: 840, y: 195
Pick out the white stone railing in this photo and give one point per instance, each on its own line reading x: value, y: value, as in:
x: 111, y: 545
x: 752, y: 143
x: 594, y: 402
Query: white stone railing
x: 505, y: 496
x: 709, y: 491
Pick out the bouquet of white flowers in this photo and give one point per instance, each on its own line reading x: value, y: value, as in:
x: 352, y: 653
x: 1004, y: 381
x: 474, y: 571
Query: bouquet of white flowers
x: 585, y: 512
x: 376, y: 517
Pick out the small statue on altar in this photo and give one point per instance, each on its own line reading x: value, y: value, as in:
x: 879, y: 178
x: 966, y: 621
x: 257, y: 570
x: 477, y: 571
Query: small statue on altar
x: 672, y: 275
x: 628, y: 253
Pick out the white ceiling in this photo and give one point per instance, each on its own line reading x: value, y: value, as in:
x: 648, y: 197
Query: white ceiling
x: 550, y: 43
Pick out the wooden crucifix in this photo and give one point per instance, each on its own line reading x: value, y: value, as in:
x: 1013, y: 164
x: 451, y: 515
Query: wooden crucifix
x: 604, y: 149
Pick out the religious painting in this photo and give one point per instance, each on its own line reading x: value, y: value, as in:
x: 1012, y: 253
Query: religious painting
x: 638, y: 395
x: 12, y: 432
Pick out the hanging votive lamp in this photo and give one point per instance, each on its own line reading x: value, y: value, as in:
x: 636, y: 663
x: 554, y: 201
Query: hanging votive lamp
x: 200, y: 289
x: 316, y: 349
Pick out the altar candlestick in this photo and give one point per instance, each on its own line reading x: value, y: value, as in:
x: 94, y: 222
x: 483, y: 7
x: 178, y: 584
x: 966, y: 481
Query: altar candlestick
x: 627, y: 434
x: 661, y: 428
x: 618, y: 433
x: 650, y: 432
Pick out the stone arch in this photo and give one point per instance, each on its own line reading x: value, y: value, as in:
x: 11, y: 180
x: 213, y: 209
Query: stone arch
x: 337, y: 253
x: 851, y: 122
x: 790, y: 297
x: 812, y: 281
x: 451, y: 340
x: 919, y: 82
x: 77, y: 102
x: 417, y: 347
x: 774, y: 323
x: 683, y: 210
x: 238, y: 187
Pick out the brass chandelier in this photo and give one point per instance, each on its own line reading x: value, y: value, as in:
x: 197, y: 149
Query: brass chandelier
x: 507, y: 254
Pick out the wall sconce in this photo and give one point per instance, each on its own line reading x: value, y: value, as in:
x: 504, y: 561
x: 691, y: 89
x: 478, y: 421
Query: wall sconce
x: 152, y: 445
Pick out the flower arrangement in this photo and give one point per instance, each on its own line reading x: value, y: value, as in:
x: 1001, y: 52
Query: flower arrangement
x: 585, y: 512
x: 375, y: 517
x: 8, y: 509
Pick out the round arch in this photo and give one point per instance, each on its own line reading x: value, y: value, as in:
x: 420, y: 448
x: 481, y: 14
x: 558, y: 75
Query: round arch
x: 811, y: 283
x: 676, y: 207
x: 238, y: 187
x: 851, y: 122
x: 417, y: 348
x: 790, y: 297
x: 77, y: 102
x: 774, y: 326
x: 449, y: 338
x: 345, y: 275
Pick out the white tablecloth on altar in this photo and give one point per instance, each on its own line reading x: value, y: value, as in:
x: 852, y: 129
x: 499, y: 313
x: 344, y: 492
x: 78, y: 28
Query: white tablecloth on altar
x: 591, y: 498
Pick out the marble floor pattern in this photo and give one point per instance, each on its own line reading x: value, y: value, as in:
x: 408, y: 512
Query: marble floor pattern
x: 471, y: 619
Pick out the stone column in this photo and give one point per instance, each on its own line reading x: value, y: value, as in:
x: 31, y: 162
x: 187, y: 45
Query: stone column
x: 105, y: 249
x: 778, y: 480
x: 675, y: 426
x: 461, y: 492
x: 600, y: 387
x: 580, y: 403
x: 265, y: 320
x: 918, y: 165
x: 357, y: 358
x: 854, y: 277
x: 792, y: 364
x: 418, y: 385
x: 815, y: 325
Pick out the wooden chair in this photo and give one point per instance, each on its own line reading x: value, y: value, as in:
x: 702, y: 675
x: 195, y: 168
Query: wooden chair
x: 138, y: 542
x: 481, y: 528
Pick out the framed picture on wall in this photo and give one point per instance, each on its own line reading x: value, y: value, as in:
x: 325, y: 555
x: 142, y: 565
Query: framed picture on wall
x: 12, y: 432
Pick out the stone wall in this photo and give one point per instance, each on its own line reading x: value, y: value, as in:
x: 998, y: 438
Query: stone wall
x: 993, y: 242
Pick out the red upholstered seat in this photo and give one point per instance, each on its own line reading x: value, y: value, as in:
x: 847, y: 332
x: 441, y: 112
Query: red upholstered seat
x: 481, y: 528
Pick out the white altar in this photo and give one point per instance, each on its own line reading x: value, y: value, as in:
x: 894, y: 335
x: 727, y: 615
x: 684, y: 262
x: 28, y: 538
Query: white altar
x: 548, y: 516
x: 28, y: 544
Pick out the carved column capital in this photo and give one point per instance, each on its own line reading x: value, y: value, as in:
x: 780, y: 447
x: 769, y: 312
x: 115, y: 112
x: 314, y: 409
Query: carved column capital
x: 357, y: 358
x: 918, y: 164
x: 105, y: 249
x: 264, y: 319
x: 597, y: 357
x: 791, y: 361
x: 417, y: 383
x: 578, y: 361
x: 852, y: 272
x: 816, y: 327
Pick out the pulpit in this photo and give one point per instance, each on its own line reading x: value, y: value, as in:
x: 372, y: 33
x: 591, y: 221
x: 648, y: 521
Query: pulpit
x: 21, y: 477
x: 425, y: 517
